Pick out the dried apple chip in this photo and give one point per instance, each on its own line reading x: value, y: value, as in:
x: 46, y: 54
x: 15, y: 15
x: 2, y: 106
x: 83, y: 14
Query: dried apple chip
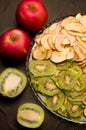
x: 57, y: 57
x: 39, y: 53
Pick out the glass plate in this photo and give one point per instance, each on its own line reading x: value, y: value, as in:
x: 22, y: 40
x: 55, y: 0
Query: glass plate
x: 39, y: 96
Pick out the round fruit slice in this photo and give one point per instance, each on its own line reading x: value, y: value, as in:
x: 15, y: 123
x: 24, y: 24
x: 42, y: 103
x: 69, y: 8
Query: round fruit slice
x: 67, y: 80
x: 55, y: 102
x: 63, y: 109
x: 80, y: 83
x: 74, y: 110
x: 30, y: 115
x: 64, y: 65
x: 41, y: 67
x: 76, y: 70
x: 12, y: 82
x: 47, y: 86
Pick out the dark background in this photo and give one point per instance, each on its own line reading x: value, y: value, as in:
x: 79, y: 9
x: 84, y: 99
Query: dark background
x: 8, y: 107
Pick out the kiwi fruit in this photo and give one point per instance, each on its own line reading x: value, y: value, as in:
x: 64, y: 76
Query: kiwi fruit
x: 30, y: 115
x: 47, y: 86
x: 55, y: 102
x: 56, y: 75
x: 73, y: 93
x: 64, y: 65
x: 77, y: 100
x: 62, y: 86
x: 74, y: 110
x: 41, y: 67
x: 80, y: 84
x: 67, y: 80
x: 76, y: 70
x: 34, y: 83
x: 63, y: 109
x: 12, y: 82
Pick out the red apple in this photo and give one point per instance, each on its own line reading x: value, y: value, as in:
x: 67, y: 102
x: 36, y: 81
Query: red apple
x: 15, y: 44
x: 32, y: 15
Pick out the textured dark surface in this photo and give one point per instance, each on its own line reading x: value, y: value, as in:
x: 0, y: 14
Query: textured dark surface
x: 8, y: 107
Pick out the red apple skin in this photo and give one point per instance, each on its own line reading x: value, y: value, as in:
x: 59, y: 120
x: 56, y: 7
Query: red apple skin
x: 15, y: 44
x: 32, y: 15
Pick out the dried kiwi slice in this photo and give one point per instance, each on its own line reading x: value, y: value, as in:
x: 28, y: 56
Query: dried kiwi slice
x: 64, y: 65
x: 56, y: 75
x: 77, y: 100
x: 80, y: 83
x: 76, y: 70
x: 41, y: 67
x: 55, y: 102
x: 30, y: 115
x: 67, y: 80
x: 47, y: 86
x: 73, y: 93
x: 63, y: 109
x: 74, y: 110
x: 12, y: 82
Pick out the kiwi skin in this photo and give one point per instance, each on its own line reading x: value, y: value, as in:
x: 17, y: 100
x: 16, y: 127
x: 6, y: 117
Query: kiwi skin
x: 30, y: 115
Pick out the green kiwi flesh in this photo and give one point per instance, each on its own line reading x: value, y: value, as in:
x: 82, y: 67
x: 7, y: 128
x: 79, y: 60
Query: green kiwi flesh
x: 63, y: 109
x: 12, y: 82
x: 74, y: 110
x: 80, y: 83
x: 76, y: 70
x: 67, y: 80
x: 30, y: 115
x: 41, y: 67
x: 63, y: 88
x: 55, y: 102
x: 47, y: 86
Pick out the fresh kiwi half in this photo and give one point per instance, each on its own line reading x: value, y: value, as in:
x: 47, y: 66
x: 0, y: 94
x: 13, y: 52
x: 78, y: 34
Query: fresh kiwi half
x: 12, y: 82
x: 41, y: 67
x: 30, y: 115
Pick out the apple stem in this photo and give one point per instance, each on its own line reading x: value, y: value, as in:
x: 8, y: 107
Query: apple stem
x: 12, y: 38
x: 31, y: 7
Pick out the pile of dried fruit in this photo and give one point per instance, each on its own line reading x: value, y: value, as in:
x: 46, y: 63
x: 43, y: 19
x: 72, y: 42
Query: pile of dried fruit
x: 64, y: 40
x: 62, y: 87
x: 54, y: 68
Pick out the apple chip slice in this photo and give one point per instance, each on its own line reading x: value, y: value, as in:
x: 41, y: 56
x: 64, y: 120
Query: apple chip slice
x: 68, y: 20
x: 39, y: 53
x: 77, y: 27
x: 44, y: 41
x: 70, y: 53
x: 51, y: 43
x: 58, y: 41
x: 80, y: 55
x: 58, y: 57
x: 81, y: 18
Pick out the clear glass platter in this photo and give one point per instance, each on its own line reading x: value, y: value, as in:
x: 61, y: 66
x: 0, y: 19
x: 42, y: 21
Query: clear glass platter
x: 39, y: 96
